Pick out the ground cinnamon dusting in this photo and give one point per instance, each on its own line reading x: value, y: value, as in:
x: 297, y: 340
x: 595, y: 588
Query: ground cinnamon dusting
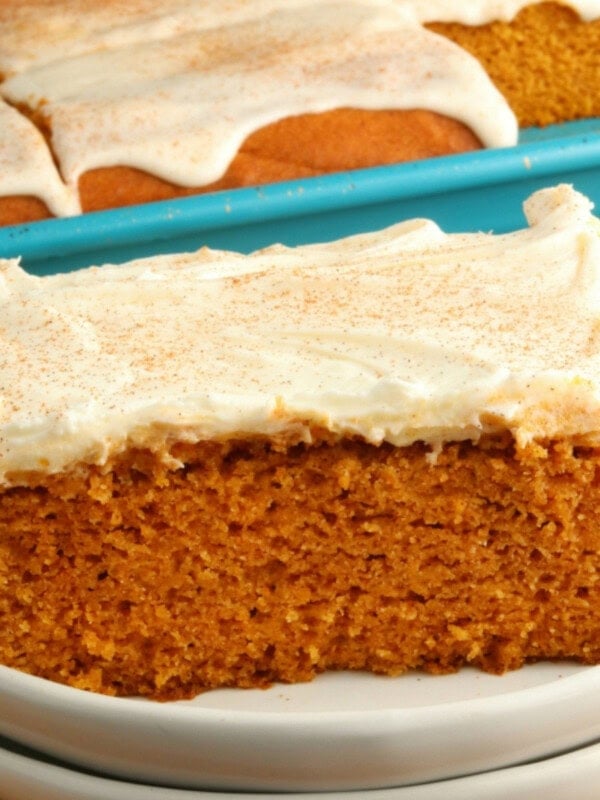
x: 543, y: 62
x: 297, y: 147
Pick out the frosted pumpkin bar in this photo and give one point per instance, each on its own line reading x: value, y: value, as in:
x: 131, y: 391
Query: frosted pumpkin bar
x: 109, y: 104
x: 381, y: 453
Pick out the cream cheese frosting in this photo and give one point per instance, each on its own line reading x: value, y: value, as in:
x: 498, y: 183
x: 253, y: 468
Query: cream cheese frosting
x: 155, y: 108
x: 24, y: 156
x: 400, y: 335
x: 181, y: 107
x: 175, y: 87
x: 480, y: 12
x: 33, y: 31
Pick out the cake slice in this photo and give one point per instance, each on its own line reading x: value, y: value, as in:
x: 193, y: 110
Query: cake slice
x: 150, y: 101
x: 381, y: 453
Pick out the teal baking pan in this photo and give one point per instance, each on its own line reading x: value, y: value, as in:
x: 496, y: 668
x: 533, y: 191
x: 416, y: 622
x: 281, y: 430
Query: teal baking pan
x: 477, y: 191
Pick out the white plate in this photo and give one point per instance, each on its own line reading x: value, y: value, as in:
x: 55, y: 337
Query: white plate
x: 574, y: 775
x: 343, y: 731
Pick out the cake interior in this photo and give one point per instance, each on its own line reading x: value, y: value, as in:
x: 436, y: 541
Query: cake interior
x: 256, y: 560
x: 543, y: 61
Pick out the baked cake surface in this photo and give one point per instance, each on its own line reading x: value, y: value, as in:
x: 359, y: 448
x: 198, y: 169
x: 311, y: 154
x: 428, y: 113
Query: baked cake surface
x: 381, y: 453
x: 178, y: 97
x: 543, y: 60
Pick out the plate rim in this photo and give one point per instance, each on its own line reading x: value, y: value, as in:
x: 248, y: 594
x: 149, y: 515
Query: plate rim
x: 32, y: 689
x: 179, y: 744
x: 521, y: 776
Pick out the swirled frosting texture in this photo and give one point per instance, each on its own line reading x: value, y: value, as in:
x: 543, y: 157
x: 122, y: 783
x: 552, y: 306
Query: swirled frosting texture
x: 402, y: 335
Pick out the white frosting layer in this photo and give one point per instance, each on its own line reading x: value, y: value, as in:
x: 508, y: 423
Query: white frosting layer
x: 480, y: 12
x: 181, y: 107
x: 175, y: 87
x: 33, y: 32
x: 24, y: 157
x: 403, y: 335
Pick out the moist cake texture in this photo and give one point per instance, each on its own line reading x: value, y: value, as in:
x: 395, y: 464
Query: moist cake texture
x: 176, y: 97
x: 543, y: 60
x: 380, y: 453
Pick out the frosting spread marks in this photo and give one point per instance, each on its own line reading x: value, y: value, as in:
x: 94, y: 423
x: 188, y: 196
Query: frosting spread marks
x: 401, y: 335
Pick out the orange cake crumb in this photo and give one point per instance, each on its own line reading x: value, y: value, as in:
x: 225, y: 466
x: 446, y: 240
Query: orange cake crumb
x: 379, y: 453
x: 255, y: 563
x: 544, y: 61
